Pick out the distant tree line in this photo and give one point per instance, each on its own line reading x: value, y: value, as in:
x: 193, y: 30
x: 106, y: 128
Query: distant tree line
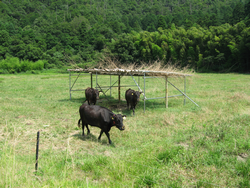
x: 208, y: 35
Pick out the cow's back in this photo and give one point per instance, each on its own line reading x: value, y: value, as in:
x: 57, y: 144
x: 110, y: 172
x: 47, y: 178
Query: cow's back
x: 131, y: 96
x: 90, y: 95
x: 94, y: 115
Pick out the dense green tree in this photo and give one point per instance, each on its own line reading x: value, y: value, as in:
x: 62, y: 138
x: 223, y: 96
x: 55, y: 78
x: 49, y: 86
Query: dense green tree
x: 150, y: 20
x: 4, y: 43
x: 124, y: 48
x: 247, y: 12
x: 181, y: 31
x: 162, y: 22
x: 238, y: 13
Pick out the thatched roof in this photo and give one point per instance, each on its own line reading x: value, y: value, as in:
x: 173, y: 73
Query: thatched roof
x: 129, y: 72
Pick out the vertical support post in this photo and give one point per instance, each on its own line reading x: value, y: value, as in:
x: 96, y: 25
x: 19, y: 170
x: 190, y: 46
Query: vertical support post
x: 184, y: 89
x: 166, y: 85
x: 139, y: 80
x: 119, y: 87
x: 144, y: 92
x: 91, y: 80
x: 96, y: 80
x: 69, y: 85
x: 110, y: 86
x: 37, y: 149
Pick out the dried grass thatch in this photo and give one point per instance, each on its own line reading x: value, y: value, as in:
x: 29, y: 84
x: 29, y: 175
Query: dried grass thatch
x: 158, y: 65
x: 157, y: 68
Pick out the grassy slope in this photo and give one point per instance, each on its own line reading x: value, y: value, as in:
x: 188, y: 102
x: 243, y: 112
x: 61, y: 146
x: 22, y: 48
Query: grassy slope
x: 181, y: 146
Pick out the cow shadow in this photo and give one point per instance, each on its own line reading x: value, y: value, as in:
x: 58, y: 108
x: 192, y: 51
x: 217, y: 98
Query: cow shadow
x: 93, y: 138
x: 102, y: 100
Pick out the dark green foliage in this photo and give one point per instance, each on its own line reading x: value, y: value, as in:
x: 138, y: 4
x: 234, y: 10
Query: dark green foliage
x: 238, y: 13
x: 124, y: 48
x: 85, y: 30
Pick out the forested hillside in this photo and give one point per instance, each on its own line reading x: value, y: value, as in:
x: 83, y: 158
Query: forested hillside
x: 209, y: 35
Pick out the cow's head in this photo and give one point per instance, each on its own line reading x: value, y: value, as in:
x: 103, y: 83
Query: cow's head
x: 97, y: 93
x: 118, y: 121
x: 138, y: 93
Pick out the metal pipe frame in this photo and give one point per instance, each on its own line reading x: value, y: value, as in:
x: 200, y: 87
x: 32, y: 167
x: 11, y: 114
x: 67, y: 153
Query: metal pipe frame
x: 71, y: 86
x: 144, y: 93
x: 183, y: 93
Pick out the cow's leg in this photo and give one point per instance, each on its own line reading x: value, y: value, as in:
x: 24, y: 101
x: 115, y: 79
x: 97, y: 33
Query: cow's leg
x: 83, y: 124
x: 127, y: 105
x: 107, y: 134
x: 89, y: 102
x: 133, y: 110
x: 87, y: 128
x: 100, y: 135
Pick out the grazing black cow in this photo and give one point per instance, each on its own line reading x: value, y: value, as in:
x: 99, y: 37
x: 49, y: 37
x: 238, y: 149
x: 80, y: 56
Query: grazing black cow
x: 99, y: 117
x: 91, y: 95
x: 132, y: 97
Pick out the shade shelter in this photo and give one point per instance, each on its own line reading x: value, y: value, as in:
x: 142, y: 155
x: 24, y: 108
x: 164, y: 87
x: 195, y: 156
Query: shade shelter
x: 145, y: 74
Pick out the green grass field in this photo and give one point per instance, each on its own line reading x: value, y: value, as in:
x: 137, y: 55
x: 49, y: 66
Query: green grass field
x: 181, y: 146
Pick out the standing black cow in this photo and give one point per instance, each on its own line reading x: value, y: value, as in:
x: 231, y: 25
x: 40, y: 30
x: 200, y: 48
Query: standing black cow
x: 99, y: 117
x: 91, y: 95
x: 132, y: 97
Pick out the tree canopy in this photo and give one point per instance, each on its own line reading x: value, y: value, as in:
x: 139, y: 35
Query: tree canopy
x: 208, y: 35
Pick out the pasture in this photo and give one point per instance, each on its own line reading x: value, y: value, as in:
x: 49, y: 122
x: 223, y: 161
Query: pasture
x: 182, y: 146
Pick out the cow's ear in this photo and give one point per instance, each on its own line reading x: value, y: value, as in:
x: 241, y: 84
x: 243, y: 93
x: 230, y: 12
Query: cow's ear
x: 124, y: 117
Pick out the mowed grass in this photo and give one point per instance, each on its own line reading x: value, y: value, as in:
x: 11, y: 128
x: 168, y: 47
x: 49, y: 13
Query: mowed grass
x: 181, y: 146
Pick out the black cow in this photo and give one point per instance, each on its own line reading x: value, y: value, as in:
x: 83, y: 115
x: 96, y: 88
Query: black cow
x: 91, y: 95
x: 132, y: 97
x: 99, y: 117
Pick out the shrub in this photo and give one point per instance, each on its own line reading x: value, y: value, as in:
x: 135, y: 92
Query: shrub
x: 13, y: 65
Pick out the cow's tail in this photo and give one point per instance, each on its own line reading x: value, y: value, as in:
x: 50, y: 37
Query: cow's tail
x: 79, y: 123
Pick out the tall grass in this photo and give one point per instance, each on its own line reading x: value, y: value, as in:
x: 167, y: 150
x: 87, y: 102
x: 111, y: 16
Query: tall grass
x: 182, y: 146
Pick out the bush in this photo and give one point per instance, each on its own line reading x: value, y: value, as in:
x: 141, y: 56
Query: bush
x: 13, y: 65
x: 2, y: 71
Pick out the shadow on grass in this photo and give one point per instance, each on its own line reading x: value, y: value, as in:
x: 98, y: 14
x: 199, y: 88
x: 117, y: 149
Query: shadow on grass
x: 82, y: 100
x: 91, y: 137
x: 121, y: 107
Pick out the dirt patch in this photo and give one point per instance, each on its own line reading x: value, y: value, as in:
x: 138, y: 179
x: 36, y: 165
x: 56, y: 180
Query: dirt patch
x: 29, y: 122
x: 184, y: 145
x: 21, y: 116
x: 107, y: 153
x: 118, y: 107
x: 242, y: 157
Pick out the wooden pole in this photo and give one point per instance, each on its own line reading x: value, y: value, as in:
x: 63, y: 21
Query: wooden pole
x: 37, y: 149
x: 166, y: 78
x: 119, y: 87
x: 184, y: 90
x: 69, y: 85
x: 91, y: 80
